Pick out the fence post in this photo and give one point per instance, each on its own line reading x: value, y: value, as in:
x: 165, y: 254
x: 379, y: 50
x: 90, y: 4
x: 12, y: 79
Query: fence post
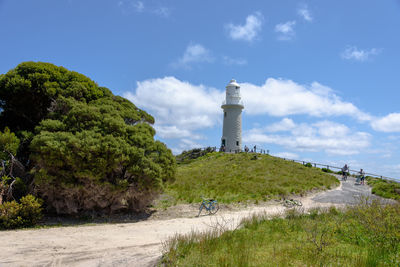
x: 315, y: 165
x: 327, y: 166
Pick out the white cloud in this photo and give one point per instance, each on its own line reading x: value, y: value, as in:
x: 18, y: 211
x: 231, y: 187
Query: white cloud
x: 162, y: 11
x: 133, y: 6
x: 248, y: 31
x: 389, y: 123
x: 173, y: 132
x: 327, y: 136
x: 179, y: 107
x: 194, y: 53
x: 305, y: 13
x: 353, y: 53
x: 234, y: 61
x: 130, y: 5
x: 139, y: 6
x: 285, y: 30
x: 185, y: 144
x: 284, y: 125
x: 278, y: 97
x: 182, y: 110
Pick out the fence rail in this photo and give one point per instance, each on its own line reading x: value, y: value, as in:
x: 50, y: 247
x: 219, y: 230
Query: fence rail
x: 329, y: 167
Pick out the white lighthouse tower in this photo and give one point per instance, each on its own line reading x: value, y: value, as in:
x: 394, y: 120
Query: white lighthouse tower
x: 232, y: 128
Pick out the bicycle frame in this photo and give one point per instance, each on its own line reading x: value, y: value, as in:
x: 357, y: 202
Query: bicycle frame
x: 207, y: 204
x: 210, y: 205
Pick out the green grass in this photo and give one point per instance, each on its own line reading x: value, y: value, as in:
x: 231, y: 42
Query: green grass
x: 384, y: 188
x: 365, y: 235
x: 242, y: 177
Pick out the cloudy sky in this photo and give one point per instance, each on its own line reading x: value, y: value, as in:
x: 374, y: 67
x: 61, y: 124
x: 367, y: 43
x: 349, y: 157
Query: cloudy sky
x: 320, y: 80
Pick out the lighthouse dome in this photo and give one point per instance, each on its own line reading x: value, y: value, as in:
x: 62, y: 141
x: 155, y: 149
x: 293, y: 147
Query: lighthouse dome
x: 233, y: 83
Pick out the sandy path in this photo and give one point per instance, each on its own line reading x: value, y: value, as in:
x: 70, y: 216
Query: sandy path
x: 132, y: 244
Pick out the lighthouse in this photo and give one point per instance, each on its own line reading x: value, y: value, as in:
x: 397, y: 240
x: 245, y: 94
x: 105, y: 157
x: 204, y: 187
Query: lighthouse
x: 232, y: 127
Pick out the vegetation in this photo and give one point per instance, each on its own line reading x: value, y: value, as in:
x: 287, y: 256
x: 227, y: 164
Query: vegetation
x: 190, y: 155
x: 365, y: 235
x: 308, y: 164
x: 384, y: 188
x: 24, y: 214
x: 82, y: 149
x: 327, y: 170
x: 241, y: 177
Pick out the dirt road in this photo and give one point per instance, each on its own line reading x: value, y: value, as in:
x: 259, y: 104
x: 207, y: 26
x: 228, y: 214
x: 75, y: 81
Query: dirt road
x: 135, y: 244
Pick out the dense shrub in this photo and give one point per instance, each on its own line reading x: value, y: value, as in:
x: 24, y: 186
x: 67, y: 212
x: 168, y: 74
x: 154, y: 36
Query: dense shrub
x: 24, y: 214
x: 87, y: 149
x: 308, y: 164
x: 190, y: 155
x: 326, y: 170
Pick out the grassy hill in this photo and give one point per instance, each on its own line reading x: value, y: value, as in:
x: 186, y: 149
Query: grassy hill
x: 245, y: 176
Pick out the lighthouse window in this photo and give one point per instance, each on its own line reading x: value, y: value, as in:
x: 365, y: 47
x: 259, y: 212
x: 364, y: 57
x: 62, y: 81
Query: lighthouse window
x: 224, y: 114
x: 237, y: 143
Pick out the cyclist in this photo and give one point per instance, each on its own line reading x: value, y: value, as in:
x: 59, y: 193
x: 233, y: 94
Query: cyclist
x: 345, y: 171
x: 362, y: 176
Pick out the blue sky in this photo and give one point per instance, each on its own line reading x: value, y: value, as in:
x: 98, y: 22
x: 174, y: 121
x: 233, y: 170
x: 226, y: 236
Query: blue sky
x: 320, y: 80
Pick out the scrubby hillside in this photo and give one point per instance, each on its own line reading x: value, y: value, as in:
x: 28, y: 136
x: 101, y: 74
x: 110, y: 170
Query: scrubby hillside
x: 245, y: 176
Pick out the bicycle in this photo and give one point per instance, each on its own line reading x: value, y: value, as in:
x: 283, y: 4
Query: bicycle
x: 344, y: 176
x: 290, y: 203
x: 211, y: 205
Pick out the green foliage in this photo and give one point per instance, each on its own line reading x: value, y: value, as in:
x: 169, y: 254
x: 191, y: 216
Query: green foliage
x: 366, y: 235
x: 384, y: 188
x: 77, y: 135
x: 327, y: 170
x: 8, y: 144
x: 27, y: 92
x: 308, y: 164
x: 237, y: 178
x: 24, y: 214
x: 190, y: 155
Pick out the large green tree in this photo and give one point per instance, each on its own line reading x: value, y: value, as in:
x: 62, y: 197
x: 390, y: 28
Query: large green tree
x: 88, y: 150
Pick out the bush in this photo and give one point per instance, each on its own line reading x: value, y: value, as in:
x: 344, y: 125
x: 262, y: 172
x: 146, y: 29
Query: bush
x: 309, y: 165
x: 16, y: 215
x: 87, y: 150
x: 188, y: 156
x: 384, y: 188
x: 326, y: 170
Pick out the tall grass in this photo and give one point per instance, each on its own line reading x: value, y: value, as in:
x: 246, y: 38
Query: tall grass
x: 245, y: 176
x: 384, y: 188
x: 365, y: 235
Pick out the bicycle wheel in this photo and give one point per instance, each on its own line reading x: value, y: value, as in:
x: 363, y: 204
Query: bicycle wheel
x: 297, y: 203
x: 288, y: 204
x: 200, y: 209
x: 214, y: 208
